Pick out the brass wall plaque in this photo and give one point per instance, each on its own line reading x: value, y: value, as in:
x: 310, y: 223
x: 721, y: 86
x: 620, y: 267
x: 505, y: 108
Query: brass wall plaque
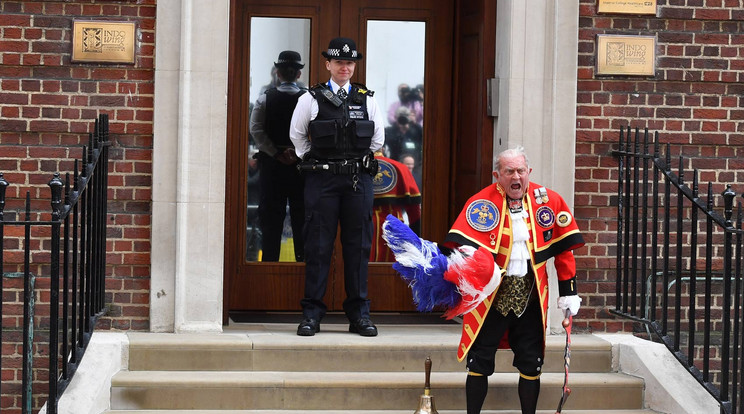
x: 103, y: 41
x: 626, y: 55
x: 627, y: 6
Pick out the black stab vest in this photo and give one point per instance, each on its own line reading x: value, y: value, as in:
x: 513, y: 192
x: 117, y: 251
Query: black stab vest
x: 279, y: 108
x: 340, y: 132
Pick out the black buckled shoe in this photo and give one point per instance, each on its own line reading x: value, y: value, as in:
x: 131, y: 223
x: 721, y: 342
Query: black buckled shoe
x: 308, y: 327
x: 363, y: 327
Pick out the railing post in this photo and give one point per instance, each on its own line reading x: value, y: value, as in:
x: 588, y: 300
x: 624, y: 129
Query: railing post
x: 28, y: 315
x: 3, y: 187
x: 667, y: 201
x: 680, y: 242
x: 65, y: 281
x: 56, y: 186
x: 655, y: 232
x: 75, y: 270
x: 692, y: 317
x: 636, y: 194
x: 626, y: 241
x: 644, y: 226
x: 738, y: 357
x: 708, y: 283
x: 620, y: 223
x: 728, y: 202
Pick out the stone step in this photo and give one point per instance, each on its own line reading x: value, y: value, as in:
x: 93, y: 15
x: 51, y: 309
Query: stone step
x: 394, y: 350
x: 270, y: 390
x: 406, y: 411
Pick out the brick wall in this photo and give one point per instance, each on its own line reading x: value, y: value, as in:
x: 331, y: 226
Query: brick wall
x: 695, y: 101
x: 47, y: 107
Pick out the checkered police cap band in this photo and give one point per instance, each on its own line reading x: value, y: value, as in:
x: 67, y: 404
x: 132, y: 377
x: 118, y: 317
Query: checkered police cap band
x: 337, y: 52
x: 342, y: 48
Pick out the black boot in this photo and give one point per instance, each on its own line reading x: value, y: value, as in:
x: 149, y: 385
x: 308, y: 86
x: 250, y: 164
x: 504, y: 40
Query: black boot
x: 476, y: 388
x: 529, y: 390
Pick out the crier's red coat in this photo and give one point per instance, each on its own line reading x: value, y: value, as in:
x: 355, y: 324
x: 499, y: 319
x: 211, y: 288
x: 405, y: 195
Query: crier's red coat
x: 548, y: 238
x: 404, y: 195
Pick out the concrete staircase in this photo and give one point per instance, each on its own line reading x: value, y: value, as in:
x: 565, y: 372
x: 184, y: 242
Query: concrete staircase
x: 267, y: 369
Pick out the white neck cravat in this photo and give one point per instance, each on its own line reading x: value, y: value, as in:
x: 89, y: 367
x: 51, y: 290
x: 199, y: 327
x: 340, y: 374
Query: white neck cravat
x: 520, y: 254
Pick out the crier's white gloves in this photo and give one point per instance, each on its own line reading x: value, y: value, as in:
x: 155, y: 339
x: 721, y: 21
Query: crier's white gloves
x: 572, y: 303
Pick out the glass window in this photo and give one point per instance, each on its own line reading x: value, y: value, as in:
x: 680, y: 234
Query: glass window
x: 395, y: 71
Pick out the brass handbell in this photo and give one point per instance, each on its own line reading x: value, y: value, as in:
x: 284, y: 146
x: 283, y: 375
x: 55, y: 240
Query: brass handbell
x: 426, y: 401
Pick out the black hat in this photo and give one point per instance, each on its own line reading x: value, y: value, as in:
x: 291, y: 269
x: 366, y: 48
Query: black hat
x: 342, y: 48
x: 289, y: 58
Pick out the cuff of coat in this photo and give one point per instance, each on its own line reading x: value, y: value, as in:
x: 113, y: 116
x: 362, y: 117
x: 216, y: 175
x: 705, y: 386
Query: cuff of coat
x: 567, y: 287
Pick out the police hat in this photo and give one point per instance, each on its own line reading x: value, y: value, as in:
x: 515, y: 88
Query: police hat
x: 289, y: 58
x: 342, y: 48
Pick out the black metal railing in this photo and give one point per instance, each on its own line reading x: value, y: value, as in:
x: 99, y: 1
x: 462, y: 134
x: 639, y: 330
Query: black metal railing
x: 679, y: 265
x: 73, y: 237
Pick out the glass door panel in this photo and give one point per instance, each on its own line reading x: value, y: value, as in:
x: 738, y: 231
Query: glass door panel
x: 395, y: 66
x: 264, y: 216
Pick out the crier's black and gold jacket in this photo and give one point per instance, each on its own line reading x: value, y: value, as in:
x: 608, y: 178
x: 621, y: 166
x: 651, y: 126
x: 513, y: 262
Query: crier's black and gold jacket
x: 342, y: 129
x: 553, y: 233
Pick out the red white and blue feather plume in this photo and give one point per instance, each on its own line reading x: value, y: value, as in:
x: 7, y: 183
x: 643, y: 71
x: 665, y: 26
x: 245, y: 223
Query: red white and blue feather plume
x: 459, y: 281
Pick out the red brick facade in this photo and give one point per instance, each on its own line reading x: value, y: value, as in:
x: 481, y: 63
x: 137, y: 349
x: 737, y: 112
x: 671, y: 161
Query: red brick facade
x: 47, y: 108
x: 695, y: 101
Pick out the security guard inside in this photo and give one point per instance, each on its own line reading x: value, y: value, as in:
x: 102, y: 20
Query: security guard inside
x: 280, y: 182
x: 335, y: 130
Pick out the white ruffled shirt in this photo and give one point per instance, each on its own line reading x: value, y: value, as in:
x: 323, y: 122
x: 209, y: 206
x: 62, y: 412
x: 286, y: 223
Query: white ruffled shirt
x: 520, y: 253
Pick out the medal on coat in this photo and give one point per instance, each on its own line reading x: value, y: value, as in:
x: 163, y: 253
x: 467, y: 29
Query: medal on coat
x: 545, y: 216
x: 482, y: 215
x: 541, y: 195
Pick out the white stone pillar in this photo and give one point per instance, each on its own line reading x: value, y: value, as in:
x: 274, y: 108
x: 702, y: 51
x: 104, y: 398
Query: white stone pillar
x: 189, y: 165
x: 536, y: 65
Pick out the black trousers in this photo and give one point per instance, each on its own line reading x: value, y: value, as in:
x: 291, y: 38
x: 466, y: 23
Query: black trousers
x: 331, y: 199
x: 279, y: 184
x: 526, y: 338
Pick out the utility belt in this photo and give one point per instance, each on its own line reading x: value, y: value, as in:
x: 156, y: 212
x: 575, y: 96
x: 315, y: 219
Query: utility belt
x: 333, y: 166
x: 368, y: 164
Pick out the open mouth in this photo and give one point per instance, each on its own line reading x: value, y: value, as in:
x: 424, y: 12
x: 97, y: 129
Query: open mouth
x: 516, y: 186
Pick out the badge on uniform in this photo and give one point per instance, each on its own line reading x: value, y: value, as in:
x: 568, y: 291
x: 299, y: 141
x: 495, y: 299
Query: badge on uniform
x: 541, y: 195
x: 482, y: 215
x: 547, y: 235
x: 563, y: 219
x: 515, y: 206
x: 385, y: 179
x: 545, y: 217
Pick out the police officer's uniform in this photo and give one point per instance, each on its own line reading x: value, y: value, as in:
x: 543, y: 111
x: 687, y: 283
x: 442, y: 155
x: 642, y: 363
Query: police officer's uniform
x: 279, y: 183
x: 335, y: 137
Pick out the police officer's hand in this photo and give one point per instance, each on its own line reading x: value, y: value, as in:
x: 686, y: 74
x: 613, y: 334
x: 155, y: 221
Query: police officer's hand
x: 287, y: 157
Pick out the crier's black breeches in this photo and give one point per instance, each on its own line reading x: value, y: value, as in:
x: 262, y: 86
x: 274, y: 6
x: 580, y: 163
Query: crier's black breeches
x: 526, y: 339
x: 331, y: 199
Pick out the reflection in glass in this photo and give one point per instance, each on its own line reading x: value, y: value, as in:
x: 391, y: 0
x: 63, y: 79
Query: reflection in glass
x: 270, y: 36
x: 395, y: 71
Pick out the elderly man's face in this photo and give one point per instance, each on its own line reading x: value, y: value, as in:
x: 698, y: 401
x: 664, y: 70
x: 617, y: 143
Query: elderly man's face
x: 409, y: 162
x: 513, y: 175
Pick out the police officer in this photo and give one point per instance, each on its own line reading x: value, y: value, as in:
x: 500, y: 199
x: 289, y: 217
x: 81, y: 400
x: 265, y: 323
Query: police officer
x: 335, y: 129
x: 279, y: 180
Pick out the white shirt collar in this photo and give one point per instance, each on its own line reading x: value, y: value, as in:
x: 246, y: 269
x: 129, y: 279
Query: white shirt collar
x: 335, y: 87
